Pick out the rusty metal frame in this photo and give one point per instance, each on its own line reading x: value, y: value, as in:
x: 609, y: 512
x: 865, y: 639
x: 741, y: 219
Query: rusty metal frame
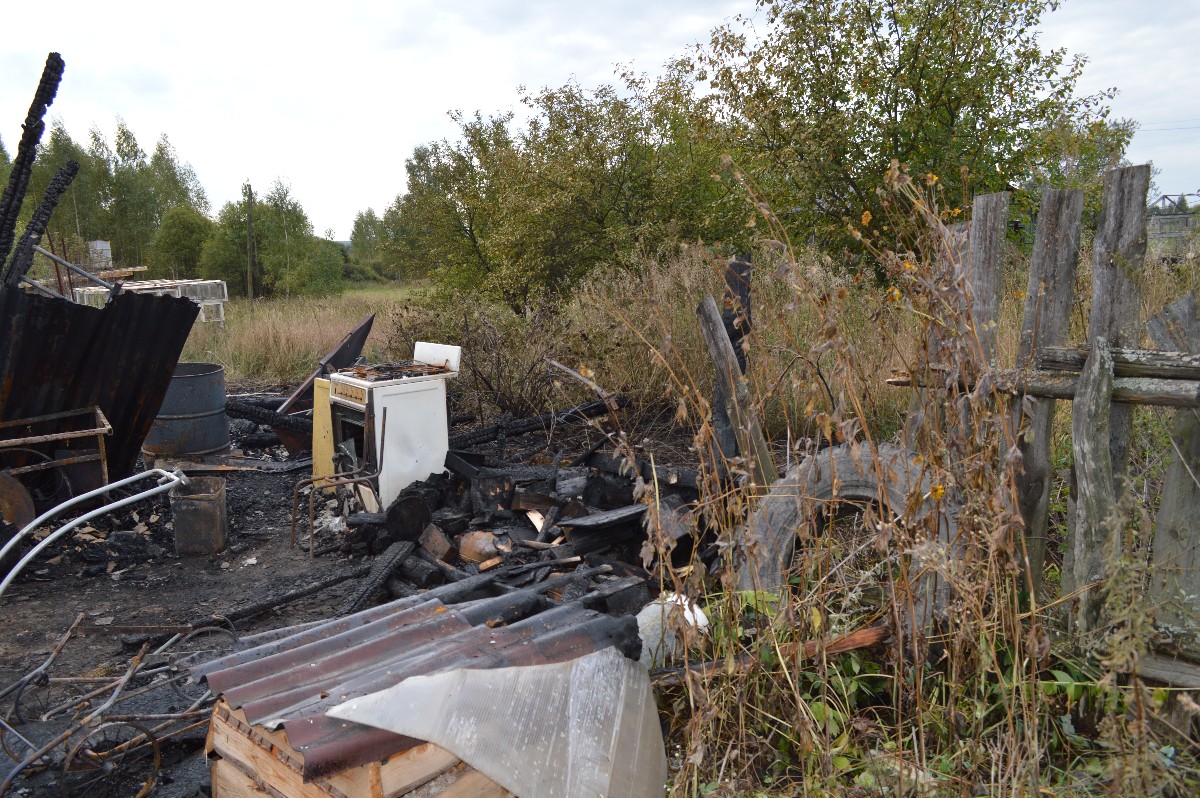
x: 355, y: 477
x: 102, y: 427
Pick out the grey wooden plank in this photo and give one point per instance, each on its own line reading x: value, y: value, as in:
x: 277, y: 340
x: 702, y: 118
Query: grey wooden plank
x: 1119, y: 254
x: 751, y: 442
x: 985, y: 264
x: 1048, y: 300
x: 1090, y: 429
x: 926, y: 409
x: 1175, y: 577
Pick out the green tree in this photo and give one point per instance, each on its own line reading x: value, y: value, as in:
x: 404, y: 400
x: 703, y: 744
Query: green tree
x: 223, y: 254
x: 366, y: 242
x: 443, y: 222
x: 289, y: 259
x: 963, y: 91
x: 82, y: 213
x: 599, y: 177
x: 179, y: 243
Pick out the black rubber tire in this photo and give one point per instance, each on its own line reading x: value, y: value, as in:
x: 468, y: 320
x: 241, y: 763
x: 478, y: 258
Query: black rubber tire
x: 890, y: 477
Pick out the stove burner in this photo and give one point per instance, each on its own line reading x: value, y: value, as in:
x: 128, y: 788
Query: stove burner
x: 378, y: 372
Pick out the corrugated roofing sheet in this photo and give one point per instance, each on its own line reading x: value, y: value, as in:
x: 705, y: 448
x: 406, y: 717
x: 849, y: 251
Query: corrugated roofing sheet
x: 292, y: 679
x: 56, y: 355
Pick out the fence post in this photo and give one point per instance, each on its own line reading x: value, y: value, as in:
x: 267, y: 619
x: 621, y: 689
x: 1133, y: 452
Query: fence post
x: 1048, y: 301
x: 926, y: 408
x: 751, y: 442
x: 1091, y: 416
x: 1176, y: 571
x: 736, y: 317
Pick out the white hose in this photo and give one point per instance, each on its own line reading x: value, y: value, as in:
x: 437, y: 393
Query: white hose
x: 166, y: 481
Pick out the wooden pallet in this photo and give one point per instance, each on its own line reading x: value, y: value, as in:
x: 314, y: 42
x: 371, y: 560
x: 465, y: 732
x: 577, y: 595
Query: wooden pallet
x: 251, y: 762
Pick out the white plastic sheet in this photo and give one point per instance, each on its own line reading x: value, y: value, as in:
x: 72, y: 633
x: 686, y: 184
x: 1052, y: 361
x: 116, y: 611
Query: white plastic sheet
x: 578, y: 729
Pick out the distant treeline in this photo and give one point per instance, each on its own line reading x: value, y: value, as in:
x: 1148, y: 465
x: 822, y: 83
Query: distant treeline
x: 155, y: 212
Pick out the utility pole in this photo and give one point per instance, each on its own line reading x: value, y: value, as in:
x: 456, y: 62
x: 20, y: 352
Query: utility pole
x: 250, y: 246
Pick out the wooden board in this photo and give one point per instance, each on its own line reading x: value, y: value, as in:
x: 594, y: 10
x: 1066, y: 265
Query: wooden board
x: 266, y: 758
x: 322, y: 440
x: 473, y: 784
x: 229, y: 782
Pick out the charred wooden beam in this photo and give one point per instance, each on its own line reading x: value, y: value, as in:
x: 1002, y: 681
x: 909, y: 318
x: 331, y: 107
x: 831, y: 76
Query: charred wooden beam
x: 22, y: 166
x: 594, y: 532
x: 272, y: 602
x: 22, y: 259
x: 543, y: 422
x: 382, y: 570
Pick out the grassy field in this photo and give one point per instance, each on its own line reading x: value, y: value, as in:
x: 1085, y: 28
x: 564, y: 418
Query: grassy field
x: 1007, y: 704
x: 280, y: 340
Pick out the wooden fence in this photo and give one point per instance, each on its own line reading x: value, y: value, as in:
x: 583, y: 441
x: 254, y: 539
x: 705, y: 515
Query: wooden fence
x: 1104, y: 379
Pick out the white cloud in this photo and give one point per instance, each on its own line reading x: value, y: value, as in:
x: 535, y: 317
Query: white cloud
x: 331, y: 97
x: 1147, y: 52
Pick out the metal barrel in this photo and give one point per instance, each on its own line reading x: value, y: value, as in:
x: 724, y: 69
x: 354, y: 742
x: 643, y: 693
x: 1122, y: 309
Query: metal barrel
x: 192, y: 418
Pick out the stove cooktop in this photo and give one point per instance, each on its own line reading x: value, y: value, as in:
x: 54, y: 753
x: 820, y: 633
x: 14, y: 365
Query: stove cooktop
x: 388, y: 372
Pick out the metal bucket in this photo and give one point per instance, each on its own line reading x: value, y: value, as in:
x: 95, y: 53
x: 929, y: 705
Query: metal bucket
x: 198, y: 510
x: 192, y: 418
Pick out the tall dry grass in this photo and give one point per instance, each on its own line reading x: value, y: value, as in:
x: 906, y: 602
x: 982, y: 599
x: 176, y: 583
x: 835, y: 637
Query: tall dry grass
x: 279, y: 341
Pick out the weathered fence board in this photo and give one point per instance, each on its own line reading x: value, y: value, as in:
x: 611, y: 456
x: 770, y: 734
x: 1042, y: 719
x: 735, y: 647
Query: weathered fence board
x: 1126, y: 390
x: 1090, y: 428
x: 1119, y: 255
x: 751, y: 442
x: 1176, y: 574
x: 1165, y: 364
x: 1048, y: 301
x: 985, y: 264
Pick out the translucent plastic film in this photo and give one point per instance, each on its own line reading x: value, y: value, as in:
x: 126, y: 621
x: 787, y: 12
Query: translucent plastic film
x: 586, y: 727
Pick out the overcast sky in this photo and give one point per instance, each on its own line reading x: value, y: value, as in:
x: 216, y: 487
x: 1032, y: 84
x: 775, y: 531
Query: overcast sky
x: 331, y: 97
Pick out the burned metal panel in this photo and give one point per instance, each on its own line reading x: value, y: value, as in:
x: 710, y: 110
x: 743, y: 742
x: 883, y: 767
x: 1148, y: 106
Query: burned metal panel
x: 293, y: 680
x: 56, y: 355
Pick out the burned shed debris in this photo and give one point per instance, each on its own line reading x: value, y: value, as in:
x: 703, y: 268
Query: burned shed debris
x: 487, y: 565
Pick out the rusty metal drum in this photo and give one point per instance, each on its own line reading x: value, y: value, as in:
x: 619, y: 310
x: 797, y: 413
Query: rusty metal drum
x: 192, y: 418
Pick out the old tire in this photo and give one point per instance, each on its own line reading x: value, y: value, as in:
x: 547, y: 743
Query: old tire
x: 888, y: 477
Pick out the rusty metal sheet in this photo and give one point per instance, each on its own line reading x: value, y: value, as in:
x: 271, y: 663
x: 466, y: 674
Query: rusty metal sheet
x: 57, y: 356
x: 296, y: 675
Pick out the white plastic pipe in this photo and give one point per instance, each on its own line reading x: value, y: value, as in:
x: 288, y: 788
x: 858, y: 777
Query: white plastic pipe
x: 166, y: 481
